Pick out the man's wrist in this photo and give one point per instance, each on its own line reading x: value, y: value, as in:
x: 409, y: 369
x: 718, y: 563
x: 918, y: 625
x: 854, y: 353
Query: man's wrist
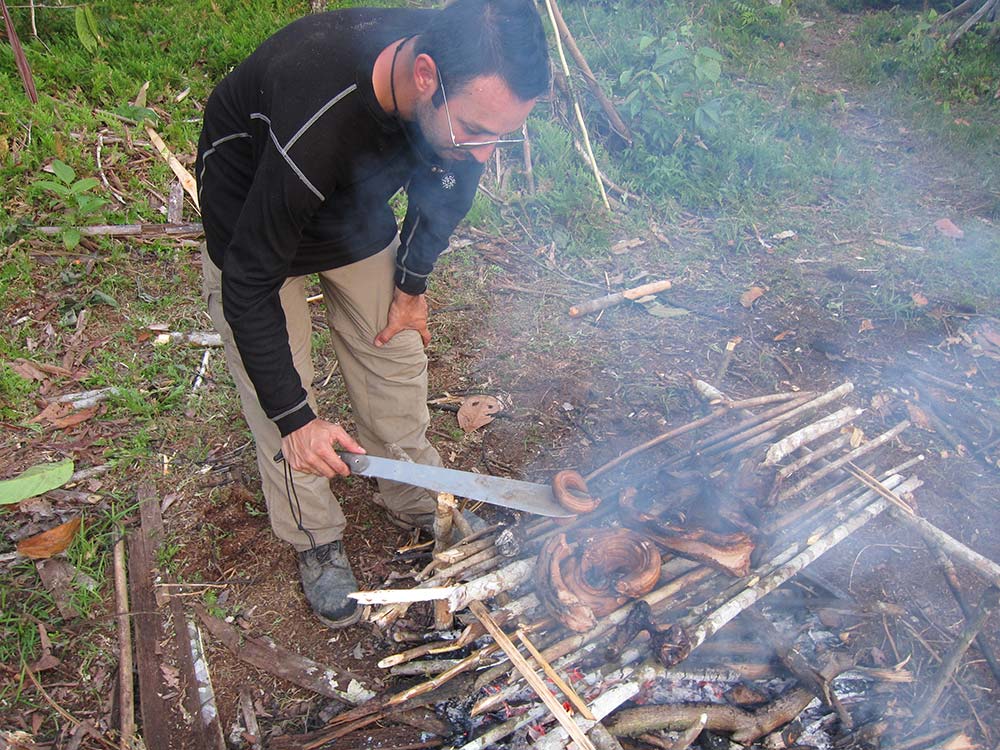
x: 297, y: 419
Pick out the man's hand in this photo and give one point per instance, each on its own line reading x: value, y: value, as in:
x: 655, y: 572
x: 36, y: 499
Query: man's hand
x: 407, y: 312
x: 311, y: 449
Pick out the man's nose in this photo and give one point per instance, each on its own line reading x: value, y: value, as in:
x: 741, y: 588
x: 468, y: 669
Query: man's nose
x: 482, y: 153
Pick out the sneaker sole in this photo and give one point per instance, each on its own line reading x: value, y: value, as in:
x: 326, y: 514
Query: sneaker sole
x: 344, y: 622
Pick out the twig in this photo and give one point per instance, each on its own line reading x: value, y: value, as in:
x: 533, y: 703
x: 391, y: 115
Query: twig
x: 986, y: 567
x: 669, y: 435
x: 62, y: 711
x: 609, y: 300
x: 536, y: 682
x: 551, y: 673
x: 951, y: 578
x: 576, y: 106
x: 529, y: 172
x: 126, y: 699
x: 609, y: 109
x: 951, y: 661
x: 814, y: 431
x: 131, y: 230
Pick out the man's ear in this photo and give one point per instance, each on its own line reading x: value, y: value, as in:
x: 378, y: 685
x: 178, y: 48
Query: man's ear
x: 425, y: 76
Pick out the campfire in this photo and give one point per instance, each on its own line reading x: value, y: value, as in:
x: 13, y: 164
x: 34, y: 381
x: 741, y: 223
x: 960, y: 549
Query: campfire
x: 607, y: 625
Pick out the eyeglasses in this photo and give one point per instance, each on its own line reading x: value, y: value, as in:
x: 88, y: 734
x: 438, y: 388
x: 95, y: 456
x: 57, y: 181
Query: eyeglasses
x: 469, y: 144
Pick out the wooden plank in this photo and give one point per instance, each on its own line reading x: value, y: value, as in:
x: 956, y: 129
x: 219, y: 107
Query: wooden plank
x: 148, y: 630
x: 299, y: 670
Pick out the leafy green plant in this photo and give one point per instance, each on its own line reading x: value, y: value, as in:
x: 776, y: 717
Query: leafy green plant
x: 86, y: 28
x: 74, y: 196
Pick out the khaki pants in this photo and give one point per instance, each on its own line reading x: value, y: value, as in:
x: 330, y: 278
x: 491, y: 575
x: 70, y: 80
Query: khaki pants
x: 387, y: 388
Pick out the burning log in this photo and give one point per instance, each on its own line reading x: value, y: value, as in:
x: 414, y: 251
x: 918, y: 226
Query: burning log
x: 613, y: 566
x: 745, y: 726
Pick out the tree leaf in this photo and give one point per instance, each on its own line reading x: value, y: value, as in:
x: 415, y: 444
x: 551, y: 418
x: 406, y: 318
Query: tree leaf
x: 83, y: 30
x: 71, y: 237
x: 63, y: 171
x: 477, y: 411
x: 56, y: 187
x: 750, y: 296
x: 51, y: 542
x: 34, y: 481
x: 948, y: 229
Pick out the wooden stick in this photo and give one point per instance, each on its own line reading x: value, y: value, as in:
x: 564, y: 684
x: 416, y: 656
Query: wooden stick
x: 403, y: 596
x: 132, y: 230
x: 951, y: 546
x: 126, y: 698
x: 178, y: 169
x: 250, y: 720
x: 951, y: 578
x: 576, y: 106
x: 609, y: 109
x: 529, y: 172
x: 805, y: 435
x: 559, y: 682
x: 988, y: 602
x: 669, y: 435
x: 634, y: 293
x: 536, y: 682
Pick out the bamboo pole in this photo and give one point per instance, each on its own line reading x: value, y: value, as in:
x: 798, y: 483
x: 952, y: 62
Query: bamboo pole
x: 576, y: 107
x: 126, y: 697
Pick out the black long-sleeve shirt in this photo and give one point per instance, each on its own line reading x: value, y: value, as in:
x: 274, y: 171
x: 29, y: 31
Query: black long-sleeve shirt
x: 296, y: 164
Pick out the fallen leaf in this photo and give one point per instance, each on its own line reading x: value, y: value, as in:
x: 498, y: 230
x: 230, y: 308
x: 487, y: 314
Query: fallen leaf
x: 53, y: 411
x: 784, y: 335
x: 750, y: 296
x: 866, y: 325
x: 171, y: 676
x: 918, y: 417
x: 786, y: 235
x: 962, y: 121
x: 50, y: 542
x: 948, y: 229
x: 477, y: 411
x: 27, y: 370
x: 623, y: 246
x: 74, y: 419
x: 919, y: 299
x: 35, y: 481
x: 857, y: 437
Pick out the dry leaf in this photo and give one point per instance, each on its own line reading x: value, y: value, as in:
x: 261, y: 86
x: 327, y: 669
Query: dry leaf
x: 784, y: 335
x: 27, y: 370
x: 477, y: 411
x: 52, y: 412
x: 948, y: 229
x: 857, y: 437
x: 866, y: 325
x: 919, y: 299
x: 750, y: 296
x: 786, y: 235
x: 918, y: 417
x: 74, y: 419
x: 51, y: 542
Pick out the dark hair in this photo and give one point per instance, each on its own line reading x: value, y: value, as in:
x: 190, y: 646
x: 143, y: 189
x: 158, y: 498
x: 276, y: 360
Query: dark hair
x: 471, y: 38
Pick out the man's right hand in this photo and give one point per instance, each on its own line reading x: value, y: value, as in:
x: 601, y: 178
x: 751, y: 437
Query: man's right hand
x: 312, y: 449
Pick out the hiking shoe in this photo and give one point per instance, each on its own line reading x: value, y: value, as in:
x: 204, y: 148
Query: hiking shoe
x: 327, y: 580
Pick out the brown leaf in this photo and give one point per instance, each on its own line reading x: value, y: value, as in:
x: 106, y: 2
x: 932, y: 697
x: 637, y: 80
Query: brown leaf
x: 784, y: 335
x: 51, y: 542
x: 27, y: 369
x: 948, y: 229
x: 866, y: 325
x: 477, y: 411
x: 918, y: 417
x: 74, y: 419
x: 919, y: 299
x: 751, y: 295
x: 52, y: 412
x: 857, y: 437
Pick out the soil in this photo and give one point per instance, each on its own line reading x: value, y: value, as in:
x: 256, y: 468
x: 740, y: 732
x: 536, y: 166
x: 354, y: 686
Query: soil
x: 580, y: 391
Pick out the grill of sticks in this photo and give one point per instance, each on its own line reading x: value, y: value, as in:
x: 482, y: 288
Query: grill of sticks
x: 543, y: 629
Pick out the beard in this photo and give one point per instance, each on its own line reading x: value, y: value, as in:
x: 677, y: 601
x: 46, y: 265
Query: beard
x: 426, y: 140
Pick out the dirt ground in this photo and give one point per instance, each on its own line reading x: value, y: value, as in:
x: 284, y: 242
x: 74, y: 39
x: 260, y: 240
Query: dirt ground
x: 582, y: 391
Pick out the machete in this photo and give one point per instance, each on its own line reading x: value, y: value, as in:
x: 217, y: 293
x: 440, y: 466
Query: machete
x: 507, y: 493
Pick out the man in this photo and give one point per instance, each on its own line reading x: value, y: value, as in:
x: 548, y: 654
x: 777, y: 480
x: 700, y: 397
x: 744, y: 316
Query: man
x: 303, y: 145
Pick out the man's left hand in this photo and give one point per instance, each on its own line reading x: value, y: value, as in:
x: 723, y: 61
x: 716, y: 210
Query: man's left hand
x: 407, y: 312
